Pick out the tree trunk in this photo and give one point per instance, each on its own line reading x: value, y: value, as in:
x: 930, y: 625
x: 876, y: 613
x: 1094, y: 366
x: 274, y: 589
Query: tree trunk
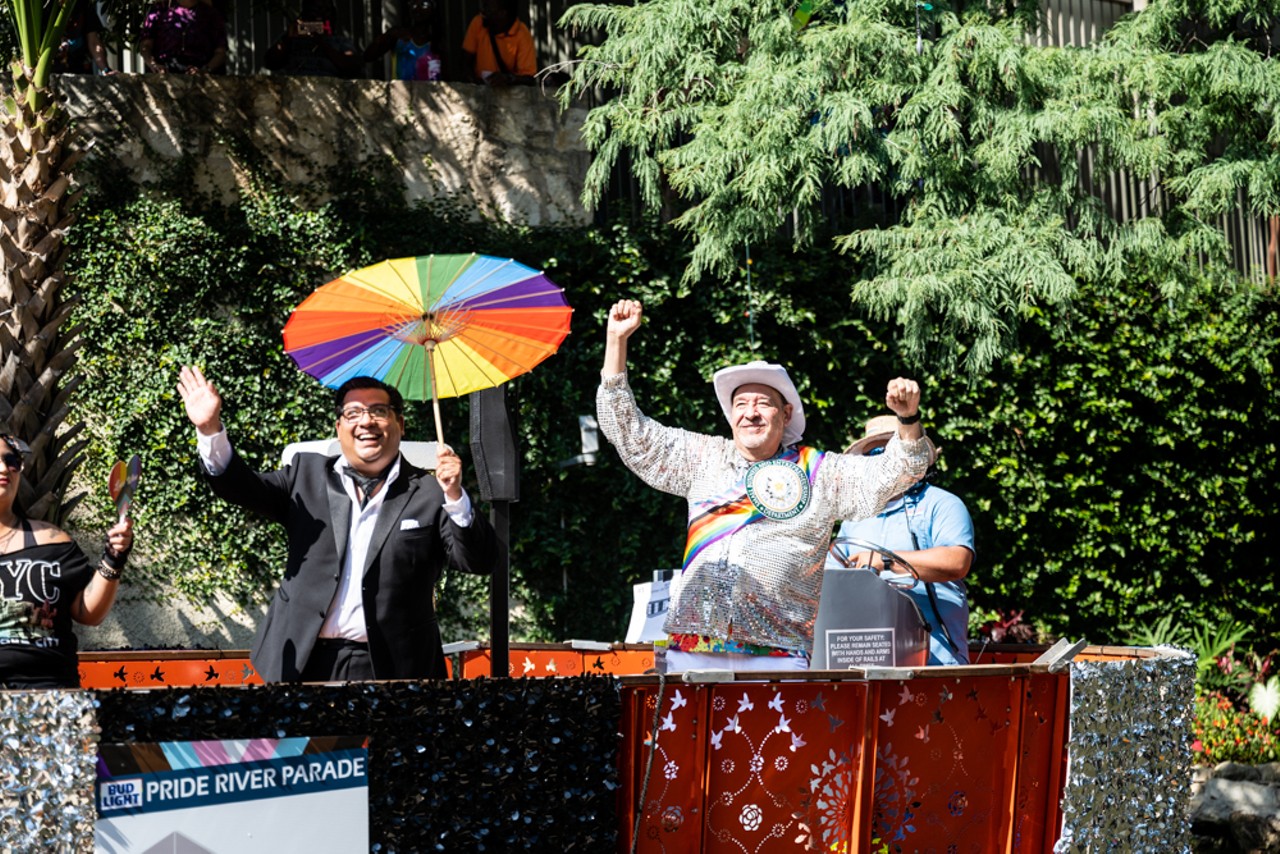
x: 38, y: 348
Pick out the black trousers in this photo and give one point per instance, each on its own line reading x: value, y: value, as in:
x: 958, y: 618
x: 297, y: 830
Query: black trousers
x: 335, y: 660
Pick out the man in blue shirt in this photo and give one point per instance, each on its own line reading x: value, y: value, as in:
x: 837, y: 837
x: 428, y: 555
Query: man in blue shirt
x: 930, y: 529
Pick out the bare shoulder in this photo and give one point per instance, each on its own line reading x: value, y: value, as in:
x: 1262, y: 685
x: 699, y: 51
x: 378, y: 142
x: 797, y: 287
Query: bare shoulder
x: 47, y: 532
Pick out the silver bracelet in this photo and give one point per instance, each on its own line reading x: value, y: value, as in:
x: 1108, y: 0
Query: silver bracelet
x: 107, y: 572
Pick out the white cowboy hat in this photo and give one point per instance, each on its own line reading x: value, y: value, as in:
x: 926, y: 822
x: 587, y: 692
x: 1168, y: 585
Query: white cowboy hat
x: 877, y: 432
x: 729, y: 380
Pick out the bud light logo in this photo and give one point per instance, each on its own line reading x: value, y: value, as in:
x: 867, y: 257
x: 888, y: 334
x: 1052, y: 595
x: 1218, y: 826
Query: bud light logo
x: 119, y: 795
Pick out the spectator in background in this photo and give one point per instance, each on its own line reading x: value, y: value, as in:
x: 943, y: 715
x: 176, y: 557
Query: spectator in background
x: 498, y: 47
x: 415, y: 55
x: 82, y: 51
x: 930, y: 529
x: 183, y: 37
x: 311, y: 46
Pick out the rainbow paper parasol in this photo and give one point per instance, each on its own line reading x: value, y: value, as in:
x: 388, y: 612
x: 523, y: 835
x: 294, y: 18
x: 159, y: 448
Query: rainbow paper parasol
x: 433, y: 326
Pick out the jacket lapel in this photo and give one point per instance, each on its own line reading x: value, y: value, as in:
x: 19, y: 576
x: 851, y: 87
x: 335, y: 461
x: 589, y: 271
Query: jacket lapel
x: 339, y: 511
x: 393, y: 506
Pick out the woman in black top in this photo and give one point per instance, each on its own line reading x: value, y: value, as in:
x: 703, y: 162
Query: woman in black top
x: 46, y: 582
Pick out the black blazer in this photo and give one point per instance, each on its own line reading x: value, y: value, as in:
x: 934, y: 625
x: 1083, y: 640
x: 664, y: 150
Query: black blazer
x: 413, y: 539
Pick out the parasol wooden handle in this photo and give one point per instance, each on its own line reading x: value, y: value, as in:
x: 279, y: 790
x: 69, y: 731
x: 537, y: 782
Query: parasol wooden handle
x: 430, y: 344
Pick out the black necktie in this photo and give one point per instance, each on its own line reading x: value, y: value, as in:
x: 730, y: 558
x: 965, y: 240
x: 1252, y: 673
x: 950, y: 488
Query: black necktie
x: 365, y: 483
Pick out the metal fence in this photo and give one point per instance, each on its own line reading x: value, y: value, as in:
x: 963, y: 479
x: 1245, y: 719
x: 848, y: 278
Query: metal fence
x: 253, y: 29
x: 1077, y: 23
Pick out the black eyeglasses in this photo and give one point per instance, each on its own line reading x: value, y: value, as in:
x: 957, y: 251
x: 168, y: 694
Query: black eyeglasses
x: 12, y: 461
x: 379, y: 412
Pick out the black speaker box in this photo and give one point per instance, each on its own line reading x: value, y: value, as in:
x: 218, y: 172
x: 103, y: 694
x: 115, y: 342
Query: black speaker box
x: 493, y: 446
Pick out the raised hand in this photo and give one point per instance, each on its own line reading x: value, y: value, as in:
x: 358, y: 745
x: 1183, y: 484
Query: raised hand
x: 201, y: 399
x: 624, y: 318
x: 903, y: 397
x: 449, y: 472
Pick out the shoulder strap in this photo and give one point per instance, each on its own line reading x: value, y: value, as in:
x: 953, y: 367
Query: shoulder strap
x: 28, y: 535
x: 497, y: 54
x: 907, y: 505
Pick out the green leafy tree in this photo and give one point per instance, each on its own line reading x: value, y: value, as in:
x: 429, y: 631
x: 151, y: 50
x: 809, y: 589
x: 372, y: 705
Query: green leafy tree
x: 37, y: 345
x: 974, y: 131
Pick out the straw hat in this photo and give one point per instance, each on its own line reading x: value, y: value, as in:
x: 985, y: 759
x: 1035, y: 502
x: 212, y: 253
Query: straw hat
x: 877, y: 432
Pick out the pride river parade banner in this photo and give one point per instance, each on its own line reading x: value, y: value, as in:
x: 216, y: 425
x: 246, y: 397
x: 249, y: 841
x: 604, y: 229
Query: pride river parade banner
x: 248, y: 796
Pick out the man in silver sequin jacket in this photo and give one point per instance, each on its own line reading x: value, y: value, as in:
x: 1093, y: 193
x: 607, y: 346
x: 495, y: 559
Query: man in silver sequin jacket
x: 761, y: 506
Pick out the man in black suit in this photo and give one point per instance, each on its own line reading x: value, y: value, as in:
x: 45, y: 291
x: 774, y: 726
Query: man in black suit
x: 369, y: 535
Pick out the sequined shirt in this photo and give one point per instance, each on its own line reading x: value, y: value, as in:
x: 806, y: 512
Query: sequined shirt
x: 761, y: 584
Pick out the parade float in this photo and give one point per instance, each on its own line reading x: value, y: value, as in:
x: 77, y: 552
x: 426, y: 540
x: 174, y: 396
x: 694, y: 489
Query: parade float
x: 583, y: 748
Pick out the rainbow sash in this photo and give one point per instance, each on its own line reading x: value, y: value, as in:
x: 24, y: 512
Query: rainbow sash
x: 726, y: 514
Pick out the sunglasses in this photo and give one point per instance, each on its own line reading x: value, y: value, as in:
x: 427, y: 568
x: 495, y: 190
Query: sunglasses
x: 12, y: 461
